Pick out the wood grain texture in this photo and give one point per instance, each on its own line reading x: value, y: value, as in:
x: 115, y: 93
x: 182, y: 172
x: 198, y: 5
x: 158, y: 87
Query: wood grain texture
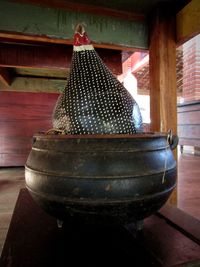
x: 51, y: 56
x: 162, y: 70
x: 189, y: 123
x: 189, y: 184
x: 5, y: 76
x: 88, y: 8
x: 159, y: 244
x: 186, y: 223
x: 21, y: 116
x: 40, y: 21
x: 28, y: 84
x: 188, y: 22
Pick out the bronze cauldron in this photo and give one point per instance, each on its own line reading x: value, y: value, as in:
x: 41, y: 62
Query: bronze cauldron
x: 112, y: 179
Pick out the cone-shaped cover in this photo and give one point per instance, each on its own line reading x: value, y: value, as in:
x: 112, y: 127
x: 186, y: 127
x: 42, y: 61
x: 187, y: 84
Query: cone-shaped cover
x: 94, y: 101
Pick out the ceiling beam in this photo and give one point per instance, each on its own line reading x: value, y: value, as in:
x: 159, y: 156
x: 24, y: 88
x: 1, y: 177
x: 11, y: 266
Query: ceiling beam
x: 24, y: 84
x: 51, y: 57
x: 188, y: 22
x: 5, y: 76
x: 49, y: 23
x: 86, y: 8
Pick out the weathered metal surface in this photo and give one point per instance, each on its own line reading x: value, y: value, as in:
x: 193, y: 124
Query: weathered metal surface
x: 102, y: 178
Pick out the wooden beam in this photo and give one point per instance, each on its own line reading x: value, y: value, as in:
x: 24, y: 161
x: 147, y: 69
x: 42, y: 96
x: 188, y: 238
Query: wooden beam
x: 21, y: 116
x: 45, y: 23
x: 5, y: 76
x: 31, y: 56
x: 188, y: 21
x: 87, y: 8
x: 42, y: 85
x: 184, y: 222
x: 162, y: 70
x: 51, y: 57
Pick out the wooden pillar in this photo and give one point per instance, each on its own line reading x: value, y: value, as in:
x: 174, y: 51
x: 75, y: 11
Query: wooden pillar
x: 162, y: 69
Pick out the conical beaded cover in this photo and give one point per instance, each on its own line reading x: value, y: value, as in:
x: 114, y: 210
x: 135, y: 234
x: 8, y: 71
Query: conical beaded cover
x: 94, y: 101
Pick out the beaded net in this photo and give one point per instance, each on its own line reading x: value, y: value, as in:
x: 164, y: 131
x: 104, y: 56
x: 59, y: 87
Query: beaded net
x: 94, y: 101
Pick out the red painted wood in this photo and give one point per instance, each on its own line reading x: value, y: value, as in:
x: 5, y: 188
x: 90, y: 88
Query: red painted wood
x: 5, y: 76
x: 52, y: 57
x: 13, y: 159
x: 21, y: 116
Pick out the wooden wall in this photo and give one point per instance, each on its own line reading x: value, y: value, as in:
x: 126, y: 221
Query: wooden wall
x: 21, y: 115
x: 189, y: 124
x: 46, y: 23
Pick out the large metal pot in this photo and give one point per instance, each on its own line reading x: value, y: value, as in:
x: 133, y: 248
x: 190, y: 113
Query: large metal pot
x: 101, y: 178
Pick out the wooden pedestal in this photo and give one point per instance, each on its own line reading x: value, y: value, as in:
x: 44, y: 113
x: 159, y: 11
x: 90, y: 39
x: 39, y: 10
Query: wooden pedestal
x: 34, y: 240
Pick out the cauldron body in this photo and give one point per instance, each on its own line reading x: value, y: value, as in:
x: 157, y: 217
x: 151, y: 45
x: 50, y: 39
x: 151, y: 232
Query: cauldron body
x: 101, y: 179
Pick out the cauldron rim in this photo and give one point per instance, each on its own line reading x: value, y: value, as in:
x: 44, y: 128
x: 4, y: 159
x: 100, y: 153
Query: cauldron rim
x: 143, y: 135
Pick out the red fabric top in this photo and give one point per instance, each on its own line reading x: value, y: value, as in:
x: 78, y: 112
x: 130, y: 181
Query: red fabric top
x: 81, y: 39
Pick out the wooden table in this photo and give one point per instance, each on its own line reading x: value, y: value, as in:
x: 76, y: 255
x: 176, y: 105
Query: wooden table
x: 34, y: 240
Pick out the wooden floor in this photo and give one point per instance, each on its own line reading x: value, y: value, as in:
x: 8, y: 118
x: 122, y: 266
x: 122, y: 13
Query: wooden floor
x: 189, y: 184
x: 12, y: 179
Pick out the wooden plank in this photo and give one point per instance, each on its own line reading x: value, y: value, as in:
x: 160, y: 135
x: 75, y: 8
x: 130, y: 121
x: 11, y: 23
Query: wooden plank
x: 187, y: 141
x: 19, y: 55
x: 32, y: 111
x: 26, y: 126
x: 189, y: 131
x: 189, y: 107
x: 182, y: 221
x: 46, y: 23
x: 91, y: 9
x: 170, y: 246
x: 189, y: 124
x: 13, y: 98
x: 5, y: 76
x: 190, y: 117
x: 21, y: 116
x: 44, y: 85
x: 162, y: 72
x: 160, y: 244
x: 13, y: 160
x: 189, y: 184
x: 185, y: 109
x: 18, y: 145
x: 188, y: 22
x: 42, y: 73
x: 51, y: 57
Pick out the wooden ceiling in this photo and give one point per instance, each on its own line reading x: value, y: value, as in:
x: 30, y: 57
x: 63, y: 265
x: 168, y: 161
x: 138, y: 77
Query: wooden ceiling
x: 143, y: 7
x: 30, y: 51
x: 138, y: 7
x: 43, y: 67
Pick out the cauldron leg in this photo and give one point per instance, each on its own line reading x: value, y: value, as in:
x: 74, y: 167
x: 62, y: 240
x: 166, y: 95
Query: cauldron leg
x: 59, y: 223
x: 181, y: 149
x: 136, y: 228
x: 139, y: 225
